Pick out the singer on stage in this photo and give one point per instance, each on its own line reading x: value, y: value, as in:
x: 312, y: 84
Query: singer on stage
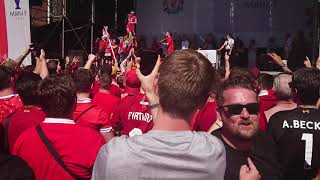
x: 131, y: 22
x: 169, y: 44
x: 227, y: 46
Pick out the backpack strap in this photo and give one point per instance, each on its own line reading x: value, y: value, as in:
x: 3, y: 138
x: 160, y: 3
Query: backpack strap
x: 6, y: 133
x: 83, y: 112
x: 54, y: 152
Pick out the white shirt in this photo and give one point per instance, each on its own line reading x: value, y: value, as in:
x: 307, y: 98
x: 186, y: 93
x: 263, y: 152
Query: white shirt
x: 185, y: 44
x: 229, y: 43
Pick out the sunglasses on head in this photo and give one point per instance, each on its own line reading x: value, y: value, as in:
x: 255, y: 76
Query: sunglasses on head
x: 236, y: 109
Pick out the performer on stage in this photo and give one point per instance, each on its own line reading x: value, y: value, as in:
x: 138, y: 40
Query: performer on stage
x: 227, y: 45
x: 169, y: 44
x: 106, y: 47
x: 131, y: 22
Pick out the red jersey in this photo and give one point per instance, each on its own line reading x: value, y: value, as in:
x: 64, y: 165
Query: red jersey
x: 105, y: 101
x: 204, y: 119
x: 170, y: 47
x: 267, y: 100
x: 77, y: 146
x: 123, y: 47
x: 130, y: 25
x: 95, y: 117
x: 114, y: 89
x: 23, y: 119
x: 131, y: 115
x: 9, y: 104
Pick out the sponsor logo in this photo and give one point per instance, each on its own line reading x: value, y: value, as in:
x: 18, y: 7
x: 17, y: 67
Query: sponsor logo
x: 18, y: 12
x: 17, y: 4
x: 172, y: 6
x: 299, y: 124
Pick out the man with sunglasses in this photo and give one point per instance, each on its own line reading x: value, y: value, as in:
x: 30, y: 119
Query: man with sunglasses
x: 239, y: 109
x: 296, y: 132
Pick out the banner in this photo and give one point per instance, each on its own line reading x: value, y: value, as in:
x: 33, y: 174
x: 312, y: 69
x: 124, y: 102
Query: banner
x: 15, y: 28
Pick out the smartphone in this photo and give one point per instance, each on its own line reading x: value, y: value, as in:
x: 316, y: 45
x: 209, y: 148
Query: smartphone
x: 148, y: 61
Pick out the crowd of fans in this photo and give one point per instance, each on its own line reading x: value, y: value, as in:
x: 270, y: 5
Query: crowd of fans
x: 184, y: 120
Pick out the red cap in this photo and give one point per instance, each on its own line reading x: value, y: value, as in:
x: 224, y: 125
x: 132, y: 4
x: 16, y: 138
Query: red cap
x: 133, y: 83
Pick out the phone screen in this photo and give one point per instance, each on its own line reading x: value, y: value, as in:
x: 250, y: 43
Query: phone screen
x: 148, y: 61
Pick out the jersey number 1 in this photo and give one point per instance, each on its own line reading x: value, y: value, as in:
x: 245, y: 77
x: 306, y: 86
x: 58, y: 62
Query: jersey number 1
x: 308, y: 148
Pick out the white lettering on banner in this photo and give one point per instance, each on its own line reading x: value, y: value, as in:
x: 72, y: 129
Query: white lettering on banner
x: 299, y: 124
x: 139, y: 116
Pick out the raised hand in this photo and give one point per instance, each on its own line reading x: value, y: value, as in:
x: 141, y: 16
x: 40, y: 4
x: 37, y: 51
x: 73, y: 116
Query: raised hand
x: 275, y: 58
x: 42, y: 55
x: 318, y: 62
x: 249, y: 172
x: 307, y: 62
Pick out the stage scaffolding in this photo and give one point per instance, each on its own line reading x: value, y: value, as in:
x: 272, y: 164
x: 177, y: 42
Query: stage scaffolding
x: 55, y: 11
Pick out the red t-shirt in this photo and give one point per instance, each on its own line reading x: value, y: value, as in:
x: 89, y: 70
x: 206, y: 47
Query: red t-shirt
x: 131, y: 113
x: 130, y: 26
x: 105, y: 101
x: 123, y: 47
x: 23, y: 119
x: 9, y: 104
x: 114, y: 89
x: 204, y: 119
x: 95, y: 118
x: 77, y: 146
x: 170, y: 45
x: 267, y: 100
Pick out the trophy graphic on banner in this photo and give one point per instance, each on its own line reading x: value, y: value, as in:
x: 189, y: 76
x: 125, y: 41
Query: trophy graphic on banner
x: 17, y: 4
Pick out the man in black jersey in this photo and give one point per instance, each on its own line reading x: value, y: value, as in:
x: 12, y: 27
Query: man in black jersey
x: 239, y: 109
x: 297, y: 132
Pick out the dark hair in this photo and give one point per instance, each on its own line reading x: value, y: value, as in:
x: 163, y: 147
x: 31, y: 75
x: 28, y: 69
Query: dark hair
x: 215, y: 84
x: 233, y: 83
x: 106, y: 68
x: 57, y: 96
x: 307, y: 83
x: 29, y: 68
x: 83, y: 80
x: 26, y: 86
x: 6, y: 74
x: 184, y: 83
x: 245, y: 75
x: 265, y: 80
x: 105, y: 81
x: 120, y: 81
x: 52, y: 67
x: 242, y: 73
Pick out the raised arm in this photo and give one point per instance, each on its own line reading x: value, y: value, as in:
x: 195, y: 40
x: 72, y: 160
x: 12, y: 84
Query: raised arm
x: 91, y: 58
x: 43, y: 63
x: 20, y: 59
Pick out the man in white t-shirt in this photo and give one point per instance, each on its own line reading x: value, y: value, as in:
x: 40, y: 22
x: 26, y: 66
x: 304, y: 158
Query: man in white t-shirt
x: 175, y: 90
x: 227, y: 45
x: 184, y: 42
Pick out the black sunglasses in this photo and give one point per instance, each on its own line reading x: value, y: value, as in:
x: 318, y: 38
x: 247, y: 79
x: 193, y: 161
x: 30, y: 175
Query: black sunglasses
x: 236, y: 109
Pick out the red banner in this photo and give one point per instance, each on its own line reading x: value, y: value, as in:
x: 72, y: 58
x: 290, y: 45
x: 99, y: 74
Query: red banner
x: 3, y: 32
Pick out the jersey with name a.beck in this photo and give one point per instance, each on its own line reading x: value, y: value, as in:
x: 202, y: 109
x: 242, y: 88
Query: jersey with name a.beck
x: 297, y: 136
